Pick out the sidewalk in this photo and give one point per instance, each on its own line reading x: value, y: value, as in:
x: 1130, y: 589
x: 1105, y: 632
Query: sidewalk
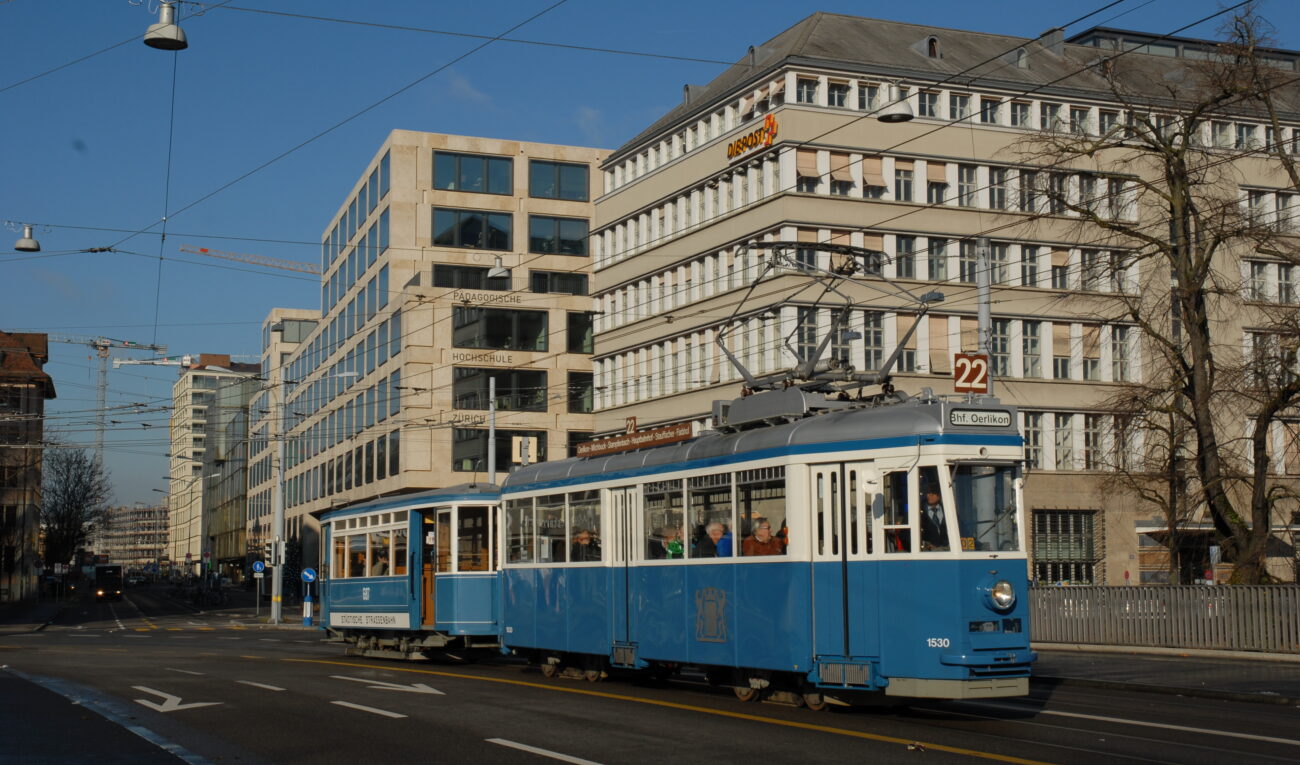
x: 28, y: 616
x: 1237, y: 675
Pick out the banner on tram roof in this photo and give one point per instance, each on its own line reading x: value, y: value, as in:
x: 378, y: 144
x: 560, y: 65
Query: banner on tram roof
x: 638, y: 440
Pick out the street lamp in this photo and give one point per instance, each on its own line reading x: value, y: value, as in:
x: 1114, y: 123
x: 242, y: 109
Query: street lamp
x: 166, y: 34
x: 277, y: 503
x: 26, y: 242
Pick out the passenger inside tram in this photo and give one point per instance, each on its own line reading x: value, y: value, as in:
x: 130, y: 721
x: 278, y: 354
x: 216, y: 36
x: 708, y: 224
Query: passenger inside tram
x: 667, y: 546
x: 586, y: 548
x: 762, y: 541
x: 715, y: 542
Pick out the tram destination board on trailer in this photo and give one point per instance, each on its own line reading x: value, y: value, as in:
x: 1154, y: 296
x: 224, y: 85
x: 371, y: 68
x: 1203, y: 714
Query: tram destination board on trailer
x: 851, y: 549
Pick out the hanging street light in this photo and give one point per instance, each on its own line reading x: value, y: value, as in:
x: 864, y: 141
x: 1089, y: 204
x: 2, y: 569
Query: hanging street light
x: 26, y: 243
x: 166, y: 34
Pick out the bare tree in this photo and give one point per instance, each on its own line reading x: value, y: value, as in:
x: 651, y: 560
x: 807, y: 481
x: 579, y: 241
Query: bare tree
x: 76, y: 496
x: 1161, y: 184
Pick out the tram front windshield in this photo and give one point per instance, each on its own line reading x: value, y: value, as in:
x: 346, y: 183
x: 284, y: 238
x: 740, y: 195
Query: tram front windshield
x: 986, y: 507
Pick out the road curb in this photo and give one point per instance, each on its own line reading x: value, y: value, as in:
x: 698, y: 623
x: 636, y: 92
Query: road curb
x: 1185, y: 653
x: 1169, y: 690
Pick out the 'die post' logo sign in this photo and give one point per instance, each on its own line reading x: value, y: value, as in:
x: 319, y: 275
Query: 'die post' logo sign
x: 764, y: 136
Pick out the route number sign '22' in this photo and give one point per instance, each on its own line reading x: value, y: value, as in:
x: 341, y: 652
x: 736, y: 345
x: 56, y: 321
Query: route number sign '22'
x: 970, y: 373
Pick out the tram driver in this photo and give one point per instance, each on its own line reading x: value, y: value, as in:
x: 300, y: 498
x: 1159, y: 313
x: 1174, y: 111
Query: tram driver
x: 934, y: 530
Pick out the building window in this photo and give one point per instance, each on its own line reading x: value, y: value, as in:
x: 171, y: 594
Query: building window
x: 557, y: 236
x: 1049, y: 116
x: 927, y: 104
x: 579, y: 333
x: 1060, y: 276
x: 1019, y: 114
x: 837, y: 94
x: 903, y: 185
x: 998, y: 188
x: 1060, y: 367
x: 517, y: 390
x: 1079, y: 122
x: 841, y: 188
x: 989, y: 110
x: 935, y: 192
x: 1107, y: 121
x: 1257, y: 287
x: 577, y: 437
x: 967, y: 263
x: 1034, y: 440
x: 471, y: 229
x: 467, y: 277
x: 905, y: 257
x: 806, y: 91
x: 1119, y: 354
x: 806, y: 333
x: 1090, y: 271
x: 472, y: 172
x: 469, y: 448
x: 1056, y: 193
x: 557, y: 180
x: 868, y: 96
x: 1245, y: 137
x: 581, y: 392
x: 1286, y: 291
x: 558, y: 282
x: 1031, y: 348
x: 966, y: 185
x: 1028, y: 191
x: 1000, y: 347
x: 1064, y: 547
x: 1064, y: 441
x: 937, y: 259
x: 1029, y: 266
x: 807, y: 184
x: 958, y: 107
x: 873, y: 339
x: 499, y: 329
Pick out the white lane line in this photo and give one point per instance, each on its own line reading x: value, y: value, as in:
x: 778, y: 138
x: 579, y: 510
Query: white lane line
x: 181, y: 637
x: 229, y: 638
x: 260, y: 685
x: 136, y: 636
x: 269, y: 640
x: 542, y: 752
x: 83, y: 634
x: 371, y: 710
x: 1146, y: 724
x: 183, y: 671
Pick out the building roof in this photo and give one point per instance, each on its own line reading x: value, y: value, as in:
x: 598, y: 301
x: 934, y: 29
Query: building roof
x: 897, y: 50
x: 22, y: 356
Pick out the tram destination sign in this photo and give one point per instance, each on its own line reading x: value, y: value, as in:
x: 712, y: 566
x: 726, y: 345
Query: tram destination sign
x: 980, y: 418
x: 640, y: 439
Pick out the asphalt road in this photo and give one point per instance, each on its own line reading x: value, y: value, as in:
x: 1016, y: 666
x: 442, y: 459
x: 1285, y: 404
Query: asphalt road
x: 165, y: 683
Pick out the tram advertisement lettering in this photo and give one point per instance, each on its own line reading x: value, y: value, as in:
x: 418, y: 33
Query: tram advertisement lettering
x: 639, y: 440
x: 987, y: 419
x: 388, y: 621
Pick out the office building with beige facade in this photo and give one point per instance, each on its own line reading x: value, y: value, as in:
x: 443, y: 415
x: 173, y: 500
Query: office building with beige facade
x: 455, y: 265
x: 786, y: 146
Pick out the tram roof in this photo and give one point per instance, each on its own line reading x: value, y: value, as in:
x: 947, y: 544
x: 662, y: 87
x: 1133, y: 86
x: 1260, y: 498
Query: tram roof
x: 463, y: 492
x: 905, y: 423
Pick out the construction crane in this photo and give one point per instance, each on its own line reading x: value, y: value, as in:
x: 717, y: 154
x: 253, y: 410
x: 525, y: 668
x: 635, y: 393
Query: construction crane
x: 103, y: 347
x: 161, y: 361
x: 301, y: 267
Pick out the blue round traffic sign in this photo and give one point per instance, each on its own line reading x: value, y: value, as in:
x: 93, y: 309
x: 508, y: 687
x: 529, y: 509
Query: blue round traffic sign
x: 258, y: 566
x: 309, y: 574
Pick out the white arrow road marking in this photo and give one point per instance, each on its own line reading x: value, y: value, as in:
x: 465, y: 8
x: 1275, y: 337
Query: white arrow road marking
x: 170, y: 703
x: 371, y: 710
x: 260, y: 685
x: 381, y: 685
x: 542, y: 752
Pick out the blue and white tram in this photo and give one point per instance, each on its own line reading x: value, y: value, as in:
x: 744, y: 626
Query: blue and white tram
x: 857, y: 596
x: 415, y: 575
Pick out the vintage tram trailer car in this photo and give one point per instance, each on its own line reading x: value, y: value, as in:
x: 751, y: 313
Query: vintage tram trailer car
x: 414, y: 576
x: 658, y: 558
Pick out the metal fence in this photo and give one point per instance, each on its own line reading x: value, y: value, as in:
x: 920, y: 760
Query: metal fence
x: 1218, y: 617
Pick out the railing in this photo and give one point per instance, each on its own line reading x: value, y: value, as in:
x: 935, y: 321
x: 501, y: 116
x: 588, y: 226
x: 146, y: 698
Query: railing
x: 1216, y: 617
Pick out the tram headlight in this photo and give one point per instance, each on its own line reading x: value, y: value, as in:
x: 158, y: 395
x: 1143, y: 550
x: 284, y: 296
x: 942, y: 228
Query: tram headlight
x: 1003, y: 594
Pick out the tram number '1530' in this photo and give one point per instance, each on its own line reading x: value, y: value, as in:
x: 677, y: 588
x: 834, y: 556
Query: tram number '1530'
x: 938, y: 642
x: 970, y: 373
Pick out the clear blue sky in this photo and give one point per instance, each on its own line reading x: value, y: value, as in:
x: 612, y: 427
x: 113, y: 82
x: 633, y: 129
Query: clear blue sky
x: 85, y: 147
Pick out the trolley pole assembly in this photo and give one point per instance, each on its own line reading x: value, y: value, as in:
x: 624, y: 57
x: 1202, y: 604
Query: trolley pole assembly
x: 983, y: 280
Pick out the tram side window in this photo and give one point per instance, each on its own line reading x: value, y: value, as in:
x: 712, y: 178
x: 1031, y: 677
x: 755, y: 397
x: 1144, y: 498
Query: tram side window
x: 519, y: 531
x: 986, y: 507
x: 584, y: 523
x: 379, y: 543
x: 551, y: 535
x: 898, y: 536
x: 662, y: 520
x: 472, y: 543
x: 398, y: 567
x: 357, y: 555
x: 760, y: 498
x: 444, y: 540
x: 340, y: 557
x: 712, y: 519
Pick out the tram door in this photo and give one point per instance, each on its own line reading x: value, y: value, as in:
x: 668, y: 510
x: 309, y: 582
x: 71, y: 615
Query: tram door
x: 843, y: 587
x: 437, y: 560
x: 428, y: 563
x: 623, y: 512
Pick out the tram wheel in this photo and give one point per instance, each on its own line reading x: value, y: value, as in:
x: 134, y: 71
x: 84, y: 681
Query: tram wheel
x: 815, y: 701
x: 550, y: 670
x: 745, y: 693
x: 591, y: 675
